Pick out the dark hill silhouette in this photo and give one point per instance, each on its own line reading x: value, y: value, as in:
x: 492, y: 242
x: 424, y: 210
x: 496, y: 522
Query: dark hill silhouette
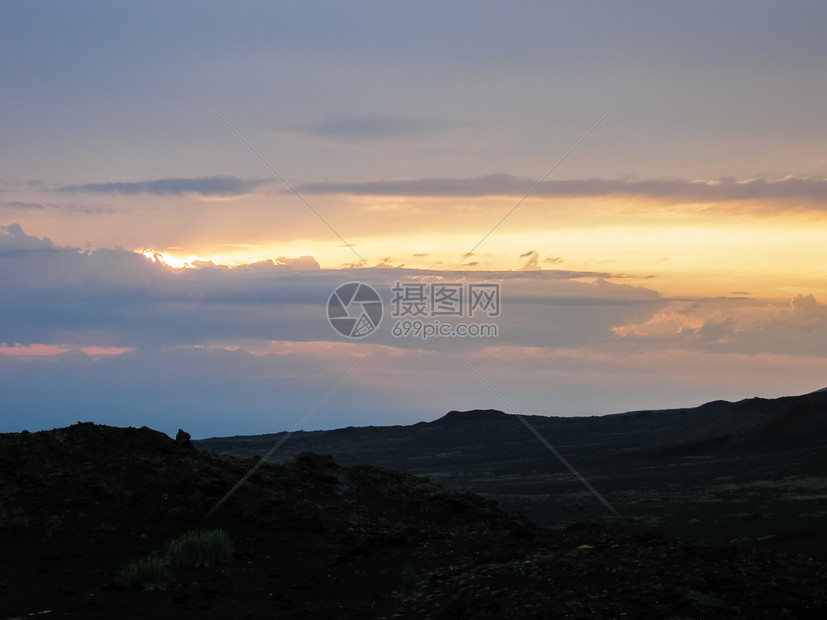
x: 475, y: 415
x: 747, y: 470
x: 761, y: 424
x: 314, y: 539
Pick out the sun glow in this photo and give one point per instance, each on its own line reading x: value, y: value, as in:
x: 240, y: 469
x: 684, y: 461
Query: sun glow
x: 678, y: 249
x: 193, y: 261
x: 231, y: 255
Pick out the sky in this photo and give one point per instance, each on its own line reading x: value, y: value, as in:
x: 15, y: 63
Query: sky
x: 183, y: 186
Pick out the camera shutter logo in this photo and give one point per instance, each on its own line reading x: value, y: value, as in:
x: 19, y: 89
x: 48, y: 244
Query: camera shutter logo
x: 354, y: 309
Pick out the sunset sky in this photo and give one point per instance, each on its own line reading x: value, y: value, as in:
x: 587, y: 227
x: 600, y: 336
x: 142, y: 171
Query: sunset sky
x: 156, y: 270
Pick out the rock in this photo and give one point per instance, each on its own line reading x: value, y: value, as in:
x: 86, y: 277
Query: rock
x: 183, y: 439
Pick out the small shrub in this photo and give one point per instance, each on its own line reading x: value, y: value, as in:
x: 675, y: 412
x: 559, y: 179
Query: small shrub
x: 200, y: 548
x: 149, y: 573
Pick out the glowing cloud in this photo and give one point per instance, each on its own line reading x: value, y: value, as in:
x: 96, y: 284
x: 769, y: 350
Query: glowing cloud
x: 32, y: 350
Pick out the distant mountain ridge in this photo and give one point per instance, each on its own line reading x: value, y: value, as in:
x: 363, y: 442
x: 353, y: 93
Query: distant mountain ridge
x: 722, y: 458
x: 798, y: 419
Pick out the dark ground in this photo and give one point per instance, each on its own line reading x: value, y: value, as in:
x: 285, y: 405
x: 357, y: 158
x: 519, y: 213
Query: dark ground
x: 316, y: 540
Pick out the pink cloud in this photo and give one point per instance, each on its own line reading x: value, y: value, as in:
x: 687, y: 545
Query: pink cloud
x: 32, y: 350
x: 106, y: 350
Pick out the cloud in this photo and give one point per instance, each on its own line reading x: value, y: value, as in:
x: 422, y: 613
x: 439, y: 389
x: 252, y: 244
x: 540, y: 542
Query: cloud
x: 676, y: 190
x: 302, y: 262
x: 533, y: 261
x: 741, y: 325
x: 804, y: 192
x: 22, y: 206
x: 807, y: 310
x: 114, y: 297
x: 51, y: 350
x: 664, y: 323
x: 117, y: 298
x: 112, y: 334
x: 14, y: 240
x: 36, y: 206
x: 220, y: 186
x: 372, y: 127
x: 31, y: 350
x: 489, y: 185
x: 106, y: 351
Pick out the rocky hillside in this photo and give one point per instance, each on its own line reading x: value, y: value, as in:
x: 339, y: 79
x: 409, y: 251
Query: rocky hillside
x: 312, y: 539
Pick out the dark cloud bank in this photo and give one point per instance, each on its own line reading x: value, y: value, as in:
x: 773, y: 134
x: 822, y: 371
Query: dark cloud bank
x: 505, y: 184
x: 204, y: 186
x: 676, y: 190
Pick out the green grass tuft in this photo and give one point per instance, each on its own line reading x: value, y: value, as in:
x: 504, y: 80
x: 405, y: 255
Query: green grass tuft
x: 200, y: 548
x: 149, y: 573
